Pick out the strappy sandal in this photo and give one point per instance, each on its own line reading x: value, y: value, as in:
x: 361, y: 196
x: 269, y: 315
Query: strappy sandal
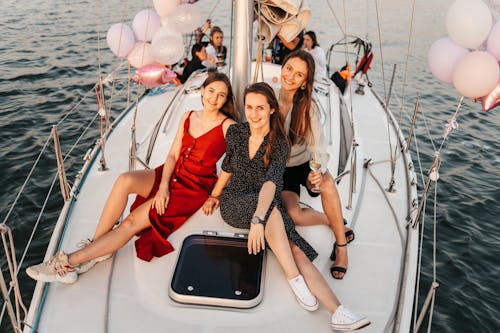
x: 349, y: 235
x: 333, y: 256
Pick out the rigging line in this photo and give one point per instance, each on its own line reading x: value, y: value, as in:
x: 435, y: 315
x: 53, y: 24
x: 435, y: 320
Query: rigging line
x: 21, y: 261
x: 13, y: 268
x: 213, y: 9
x: 380, y: 48
x: 91, y: 90
x: 336, y: 18
x: 418, y: 158
x: 427, y: 129
x: 37, y: 222
x: 405, y: 71
x: 26, y: 180
x: 434, y: 258
x: 419, y: 267
x: 454, y: 118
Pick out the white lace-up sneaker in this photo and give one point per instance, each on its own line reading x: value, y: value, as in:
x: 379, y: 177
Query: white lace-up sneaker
x: 56, y: 269
x: 344, y: 319
x: 302, y: 293
x: 86, y: 266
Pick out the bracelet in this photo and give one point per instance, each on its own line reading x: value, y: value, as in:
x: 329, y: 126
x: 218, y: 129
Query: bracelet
x: 214, y: 197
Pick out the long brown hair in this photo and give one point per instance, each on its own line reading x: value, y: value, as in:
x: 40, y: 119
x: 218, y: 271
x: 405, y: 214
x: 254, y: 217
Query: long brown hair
x: 228, y: 108
x: 276, y: 129
x: 300, y: 125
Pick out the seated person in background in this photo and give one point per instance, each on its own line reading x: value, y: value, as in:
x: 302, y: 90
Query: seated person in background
x: 198, y: 60
x: 311, y: 45
x: 215, y: 49
x: 281, y: 48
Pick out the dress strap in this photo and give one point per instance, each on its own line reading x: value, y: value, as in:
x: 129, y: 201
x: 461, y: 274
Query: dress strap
x: 222, y: 122
x: 187, y: 121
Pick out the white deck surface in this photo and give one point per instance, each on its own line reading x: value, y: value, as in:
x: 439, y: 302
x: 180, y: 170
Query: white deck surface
x: 125, y: 294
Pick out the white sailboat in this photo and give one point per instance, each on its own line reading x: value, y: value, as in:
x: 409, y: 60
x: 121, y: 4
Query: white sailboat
x: 379, y: 195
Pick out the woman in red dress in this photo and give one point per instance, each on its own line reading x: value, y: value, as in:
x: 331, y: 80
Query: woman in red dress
x: 166, y: 196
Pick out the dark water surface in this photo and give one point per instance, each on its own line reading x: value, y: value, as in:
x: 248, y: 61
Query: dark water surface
x: 49, y: 60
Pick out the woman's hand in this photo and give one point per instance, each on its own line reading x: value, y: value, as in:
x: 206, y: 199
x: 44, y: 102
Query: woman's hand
x: 210, y: 204
x: 256, y: 241
x: 160, y: 200
x: 315, y: 178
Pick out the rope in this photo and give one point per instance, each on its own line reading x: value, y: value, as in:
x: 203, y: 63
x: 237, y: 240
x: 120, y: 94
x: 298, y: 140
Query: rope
x: 10, y: 254
x: 394, y: 215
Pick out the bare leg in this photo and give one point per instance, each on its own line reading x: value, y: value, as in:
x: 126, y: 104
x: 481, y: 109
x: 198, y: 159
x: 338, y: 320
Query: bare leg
x: 278, y: 242
x: 113, y: 240
x: 301, y: 216
x: 315, y: 281
x: 140, y: 182
x: 331, y: 205
x: 333, y: 216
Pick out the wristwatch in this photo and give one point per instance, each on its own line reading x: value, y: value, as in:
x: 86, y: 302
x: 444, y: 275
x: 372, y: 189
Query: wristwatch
x: 257, y: 220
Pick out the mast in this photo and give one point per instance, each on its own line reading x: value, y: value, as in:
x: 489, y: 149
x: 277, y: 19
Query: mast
x: 242, y: 49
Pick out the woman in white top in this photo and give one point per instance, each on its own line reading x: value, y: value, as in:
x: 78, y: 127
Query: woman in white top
x: 304, y: 130
x: 311, y: 45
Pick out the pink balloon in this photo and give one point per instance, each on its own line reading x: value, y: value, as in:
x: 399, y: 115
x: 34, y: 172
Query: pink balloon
x: 120, y: 39
x: 145, y: 24
x: 165, y: 7
x: 476, y: 74
x: 153, y: 75
x: 141, y: 55
x: 443, y: 56
x: 491, y: 100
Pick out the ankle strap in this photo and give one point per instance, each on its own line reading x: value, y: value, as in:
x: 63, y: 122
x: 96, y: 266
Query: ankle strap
x: 341, y: 245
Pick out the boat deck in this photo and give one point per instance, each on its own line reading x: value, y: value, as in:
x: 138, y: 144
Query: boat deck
x: 126, y: 294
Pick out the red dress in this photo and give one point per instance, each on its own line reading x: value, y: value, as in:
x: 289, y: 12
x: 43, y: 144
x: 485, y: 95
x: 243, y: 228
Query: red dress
x: 190, y: 184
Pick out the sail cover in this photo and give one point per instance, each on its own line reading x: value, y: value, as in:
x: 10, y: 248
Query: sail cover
x: 286, y: 17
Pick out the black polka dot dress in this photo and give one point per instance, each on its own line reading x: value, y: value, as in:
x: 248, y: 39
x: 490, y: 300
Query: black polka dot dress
x: 239, y: 198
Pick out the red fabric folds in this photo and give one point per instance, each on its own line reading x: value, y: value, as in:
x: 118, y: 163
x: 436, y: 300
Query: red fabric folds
x: 190, y: 184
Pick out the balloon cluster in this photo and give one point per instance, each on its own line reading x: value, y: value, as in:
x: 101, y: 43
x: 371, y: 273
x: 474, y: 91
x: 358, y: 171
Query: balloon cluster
x: 470, y: 57
x: 155, y: 39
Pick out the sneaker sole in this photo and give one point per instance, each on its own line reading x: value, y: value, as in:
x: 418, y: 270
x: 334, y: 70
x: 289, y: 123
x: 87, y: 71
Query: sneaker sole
x: 87, y: 266
x: 310, y: 308
x: 69, y: 278
x: 351, y: 327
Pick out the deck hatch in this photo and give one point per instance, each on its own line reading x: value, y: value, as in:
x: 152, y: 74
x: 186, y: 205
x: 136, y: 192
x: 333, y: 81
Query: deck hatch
x: 217, y: 270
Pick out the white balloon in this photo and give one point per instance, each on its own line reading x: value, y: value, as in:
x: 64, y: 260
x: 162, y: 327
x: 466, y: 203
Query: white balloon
x: 165, y: 7
x: 186, y: 18
x: 476, y: 74
x: 468, y: 22
x: 120, y: 39
x: 167, y: 46
x: 145, y: 24
x: 141, y: 55
x: 443, y: 56
x: 493, y: 45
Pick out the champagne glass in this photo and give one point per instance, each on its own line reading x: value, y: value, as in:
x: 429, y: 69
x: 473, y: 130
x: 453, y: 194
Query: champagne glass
x: 318, y: 162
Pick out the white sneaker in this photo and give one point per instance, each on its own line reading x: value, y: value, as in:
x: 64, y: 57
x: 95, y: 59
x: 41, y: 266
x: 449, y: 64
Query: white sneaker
x: 344, y: 319
x: 302, y: 293
x: 86, y: 266
x: 56, y: 269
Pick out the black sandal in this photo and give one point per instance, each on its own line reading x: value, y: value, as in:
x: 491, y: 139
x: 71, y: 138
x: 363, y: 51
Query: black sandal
x: 349, y: 233
x: 333, y: 256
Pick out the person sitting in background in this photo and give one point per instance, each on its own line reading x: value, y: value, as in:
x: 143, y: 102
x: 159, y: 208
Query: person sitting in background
x: 199, y: 60
x: 215, y: 49
x: 281, y: 48
x: 311, y: 45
